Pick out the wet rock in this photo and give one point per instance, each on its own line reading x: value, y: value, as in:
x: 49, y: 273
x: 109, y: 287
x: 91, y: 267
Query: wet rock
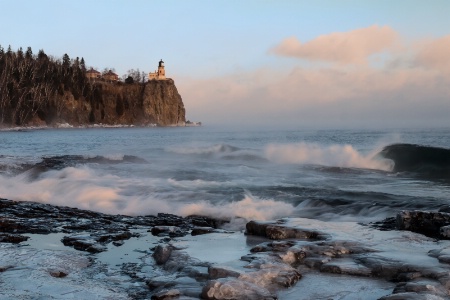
x: 20, y: 225
x: 118, y: 243
x: 425, y: 286
x: 5, y: 268
x: 12, y: 238
x: 384, y: 267
x: 160, y: 283
x: 278, y: 232
x: 83, y: 243
x: 316, y: 262
x: 57, y: 273
x: 216, y: 272
x: 196, y: 272
x: 294, y: 255
x: 206, y: 230
x: 444, y: 259
x: 264, y: 247
x: 411, y: 296
x: 169, y: 220
x: 201, y: 221
x: 275, y: 246
x: 279, y: 275
x: 181, y: 272
x: 29, y: 217
x: 424, y: 222
x: 445, y: 208
x: 234, y: 289
x: 408, y: 276
x: 444, y: 231
x: 202, y: 230
x: 162, y: 254
x: 172, y: 231
x: 348, y: 267
x: 166, y: 294
x: 386, y: 224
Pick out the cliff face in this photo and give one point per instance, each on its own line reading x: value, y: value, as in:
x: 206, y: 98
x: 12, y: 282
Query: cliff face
x: 155, y: 102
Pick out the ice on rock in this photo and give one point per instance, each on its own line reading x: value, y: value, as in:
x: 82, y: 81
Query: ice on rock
x: 166, y: 294
x: 234, y: 289
x: 269, y: 277
x: 411, y: 296
x: 215, y: 272
x: 46, y: 274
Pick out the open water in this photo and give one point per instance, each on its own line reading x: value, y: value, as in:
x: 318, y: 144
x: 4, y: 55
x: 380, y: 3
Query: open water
x: 232, y: 174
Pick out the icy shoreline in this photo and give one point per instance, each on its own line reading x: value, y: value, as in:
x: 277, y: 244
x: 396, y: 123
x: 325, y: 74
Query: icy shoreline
x: 65, y: 253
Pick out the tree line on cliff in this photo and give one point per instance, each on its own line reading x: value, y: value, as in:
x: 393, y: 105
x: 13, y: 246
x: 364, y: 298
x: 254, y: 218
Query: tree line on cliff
x: 34, y: 85
x: 29, y: 84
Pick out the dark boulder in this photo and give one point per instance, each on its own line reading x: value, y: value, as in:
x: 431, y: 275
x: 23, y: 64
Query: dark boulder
x: 162, y: 254
x: 12, y: 238
x: 432, y: 224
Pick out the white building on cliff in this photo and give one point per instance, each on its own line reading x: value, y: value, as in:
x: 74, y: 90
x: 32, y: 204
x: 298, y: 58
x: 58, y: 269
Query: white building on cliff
x: 158, y: 75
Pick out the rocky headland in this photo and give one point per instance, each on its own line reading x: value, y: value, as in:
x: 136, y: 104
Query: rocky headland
x: 68, y: 253
x: 154, y: 103
x: 39, y: 90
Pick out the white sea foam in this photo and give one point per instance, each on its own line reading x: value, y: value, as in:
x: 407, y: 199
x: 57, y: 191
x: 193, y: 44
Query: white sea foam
x: 333, y: 156
x: 85, y: 188
x: 249, y: 208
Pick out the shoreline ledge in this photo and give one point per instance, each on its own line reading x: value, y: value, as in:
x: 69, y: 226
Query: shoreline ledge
x: 69, y: 253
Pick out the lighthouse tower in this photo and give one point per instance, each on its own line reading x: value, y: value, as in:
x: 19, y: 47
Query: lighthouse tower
x: 160, y: 74
x: 161, y: 70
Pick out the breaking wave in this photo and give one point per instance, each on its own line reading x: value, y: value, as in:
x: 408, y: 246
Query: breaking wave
x: 222, y: 151
x: 249, y: 208
x: 425, y: 161
x: 13, y: 166
x: 86, y: 188
x: 333, y: 156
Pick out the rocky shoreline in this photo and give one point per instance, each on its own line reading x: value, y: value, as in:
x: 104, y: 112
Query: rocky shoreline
x: 67, y: 253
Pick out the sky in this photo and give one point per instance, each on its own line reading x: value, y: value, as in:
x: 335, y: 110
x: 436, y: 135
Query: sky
x: 291, y: 64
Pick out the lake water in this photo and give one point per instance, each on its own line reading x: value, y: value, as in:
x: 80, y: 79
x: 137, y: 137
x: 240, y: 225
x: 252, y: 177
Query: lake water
x: 233, y: 174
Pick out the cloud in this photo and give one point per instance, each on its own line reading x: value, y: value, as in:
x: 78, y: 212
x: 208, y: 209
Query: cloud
x: 321, y: 98
x: 352, y: 47
x: 435, y: 54
x: 412, y: 92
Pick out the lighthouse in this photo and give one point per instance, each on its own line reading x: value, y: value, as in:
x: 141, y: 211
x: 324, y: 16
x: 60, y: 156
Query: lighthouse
x: 160, y: 74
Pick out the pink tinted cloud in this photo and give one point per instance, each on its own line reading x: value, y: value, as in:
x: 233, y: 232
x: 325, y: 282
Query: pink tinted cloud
x: 347, y: 92
x: 435, y: 54
x: 352, y: 47
x: 322, y: 97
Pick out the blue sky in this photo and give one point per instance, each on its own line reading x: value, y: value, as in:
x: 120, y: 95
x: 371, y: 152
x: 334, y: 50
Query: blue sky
x: 240, y: 51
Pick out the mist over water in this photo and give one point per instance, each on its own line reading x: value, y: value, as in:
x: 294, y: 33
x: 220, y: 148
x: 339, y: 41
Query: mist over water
x: 237, y: 175
x: 344, y: 156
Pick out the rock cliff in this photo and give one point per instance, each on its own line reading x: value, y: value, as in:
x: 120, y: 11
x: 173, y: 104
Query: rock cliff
x: 38, y: 90
x: 156, y: 102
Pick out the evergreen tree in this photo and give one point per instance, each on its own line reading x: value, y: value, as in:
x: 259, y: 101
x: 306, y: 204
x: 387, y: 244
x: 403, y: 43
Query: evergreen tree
x: 29, y: 53
x: 42, y: 55
x: 9, y: 51
x: 82, y: 65
x: 76, y: 63
x: 66, y: 61
x: 20, y: 53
